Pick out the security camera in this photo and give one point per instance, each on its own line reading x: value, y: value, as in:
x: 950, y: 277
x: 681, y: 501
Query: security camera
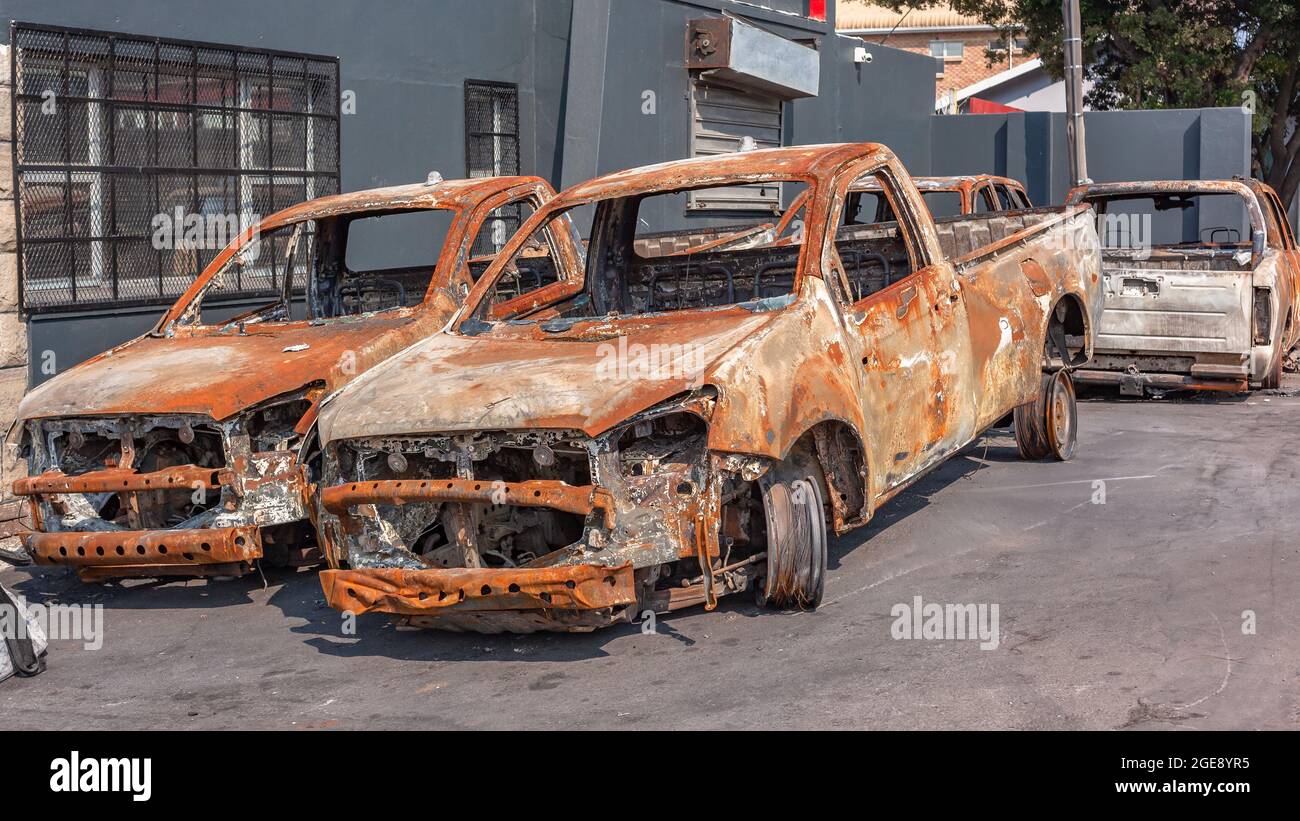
x: 861, y: 55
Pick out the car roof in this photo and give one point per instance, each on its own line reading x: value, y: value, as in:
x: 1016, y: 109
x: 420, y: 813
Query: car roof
x: 448, y: 194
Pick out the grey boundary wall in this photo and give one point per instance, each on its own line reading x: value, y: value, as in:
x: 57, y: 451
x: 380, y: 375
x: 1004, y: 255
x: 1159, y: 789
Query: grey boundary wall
x: 1205, y: 143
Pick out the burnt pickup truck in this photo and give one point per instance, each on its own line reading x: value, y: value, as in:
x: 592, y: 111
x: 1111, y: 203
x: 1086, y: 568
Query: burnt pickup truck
x: 181, y: 452
x: 657, y: 428
x: 943, y: 196
x: 1200, y: 285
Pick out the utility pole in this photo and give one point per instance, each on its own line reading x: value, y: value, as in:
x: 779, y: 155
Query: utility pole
x: 1074, y: 92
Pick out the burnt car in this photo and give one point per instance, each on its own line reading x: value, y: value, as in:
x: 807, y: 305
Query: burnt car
x: 943, y: 196
x: 1200, y: 285
x: 182, y: 452
x: 658, y: 427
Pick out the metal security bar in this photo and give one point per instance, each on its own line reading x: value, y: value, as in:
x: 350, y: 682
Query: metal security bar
x: 136, y: 159
x: 492, y: 150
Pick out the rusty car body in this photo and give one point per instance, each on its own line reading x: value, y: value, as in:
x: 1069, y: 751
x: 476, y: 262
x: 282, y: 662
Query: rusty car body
x: 517, y: 472
x: 945, y: 197
x: 181, y: 452
x: 1199, y: 307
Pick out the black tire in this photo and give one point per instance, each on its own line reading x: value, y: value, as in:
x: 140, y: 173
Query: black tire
x: 1062, y: 421
x: 1030, y: 424
x: 796, y: 541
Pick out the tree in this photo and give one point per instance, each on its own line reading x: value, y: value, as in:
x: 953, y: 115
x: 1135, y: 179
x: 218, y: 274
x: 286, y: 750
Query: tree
x: 1176, y: 54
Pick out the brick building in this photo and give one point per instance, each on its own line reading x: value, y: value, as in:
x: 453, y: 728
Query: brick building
x: 965, y: 49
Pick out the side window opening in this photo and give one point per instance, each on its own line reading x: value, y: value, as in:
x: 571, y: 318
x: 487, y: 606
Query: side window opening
x: 943, y: 203
x: 390, y: 260
x: 985, y: 201
x: 873, y: 257
x: 1279, y: 216
x: 498, y: 227
x: 1006, y: 198
x: 866, y: 208
x: 535, y: 265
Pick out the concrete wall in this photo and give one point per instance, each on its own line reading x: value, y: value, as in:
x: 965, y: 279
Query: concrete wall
x: 642, y: 48
x: 1210, y: 143
x: 958, y: 72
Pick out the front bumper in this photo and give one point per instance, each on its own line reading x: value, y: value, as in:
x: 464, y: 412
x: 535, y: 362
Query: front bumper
x: 582, y: 499
x: 222, y: 548
x: 145, y: 550
x: 577, y: 597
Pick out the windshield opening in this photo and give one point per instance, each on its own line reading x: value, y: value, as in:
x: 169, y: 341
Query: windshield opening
x: 659, y: 253
x: 337, y: 266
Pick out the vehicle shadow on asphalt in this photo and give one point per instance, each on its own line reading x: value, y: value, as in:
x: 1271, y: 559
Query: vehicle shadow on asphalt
x: 60, y: 584
x: 298, y: 596
x: 376, y: 635
x: 976, y: 456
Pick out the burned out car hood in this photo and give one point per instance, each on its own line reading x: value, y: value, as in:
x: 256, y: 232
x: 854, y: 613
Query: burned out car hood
x: 219, y: 373
x: 587, y: 376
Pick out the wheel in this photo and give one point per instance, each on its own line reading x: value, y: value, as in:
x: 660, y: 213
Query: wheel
x: 1062, y: 416
x: 1030, y: 424
x: 1048, y: 425
x: 796, y: 541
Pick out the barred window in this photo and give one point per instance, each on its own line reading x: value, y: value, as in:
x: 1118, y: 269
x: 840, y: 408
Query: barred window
x: 137, y: 159
x: 492, y: 150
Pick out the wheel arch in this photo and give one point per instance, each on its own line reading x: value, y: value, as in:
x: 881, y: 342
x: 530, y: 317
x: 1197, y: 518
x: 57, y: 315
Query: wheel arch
x: 841, y: 452
x: 1069, y: 314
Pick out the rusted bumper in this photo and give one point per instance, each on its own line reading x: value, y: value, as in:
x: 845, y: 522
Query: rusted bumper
x: 580, y: 596
x: 133, y: 548
x: 186, y: 477
x: 580, y: 499
x: 222, y: 549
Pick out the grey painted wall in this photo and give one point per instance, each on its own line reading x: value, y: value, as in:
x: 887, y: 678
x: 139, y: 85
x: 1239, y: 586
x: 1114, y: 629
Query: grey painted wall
x: 1209, y: 143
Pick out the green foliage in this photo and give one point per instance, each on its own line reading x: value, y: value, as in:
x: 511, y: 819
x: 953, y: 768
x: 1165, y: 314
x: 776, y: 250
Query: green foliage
x: 1176, y: 54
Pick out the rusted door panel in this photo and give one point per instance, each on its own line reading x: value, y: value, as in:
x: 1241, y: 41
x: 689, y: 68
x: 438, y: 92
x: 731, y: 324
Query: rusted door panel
x: 1006, y: 303
x: 918, y: 385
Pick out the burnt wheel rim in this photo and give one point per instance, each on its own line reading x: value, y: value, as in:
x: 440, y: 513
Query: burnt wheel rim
x: 1060, y: 415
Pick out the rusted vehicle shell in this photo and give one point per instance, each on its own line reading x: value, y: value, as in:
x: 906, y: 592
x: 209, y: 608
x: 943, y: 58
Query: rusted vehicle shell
x: 186, y: 379
x: 833, y: 396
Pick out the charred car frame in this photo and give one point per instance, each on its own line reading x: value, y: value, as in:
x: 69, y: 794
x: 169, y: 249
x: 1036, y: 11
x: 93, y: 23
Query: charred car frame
x: 184, y: 451
x: 493, y: 477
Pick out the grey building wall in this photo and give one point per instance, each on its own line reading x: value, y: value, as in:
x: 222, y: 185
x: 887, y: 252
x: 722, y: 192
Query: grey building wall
x: 582, y: 67
x: 1208, y: 143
